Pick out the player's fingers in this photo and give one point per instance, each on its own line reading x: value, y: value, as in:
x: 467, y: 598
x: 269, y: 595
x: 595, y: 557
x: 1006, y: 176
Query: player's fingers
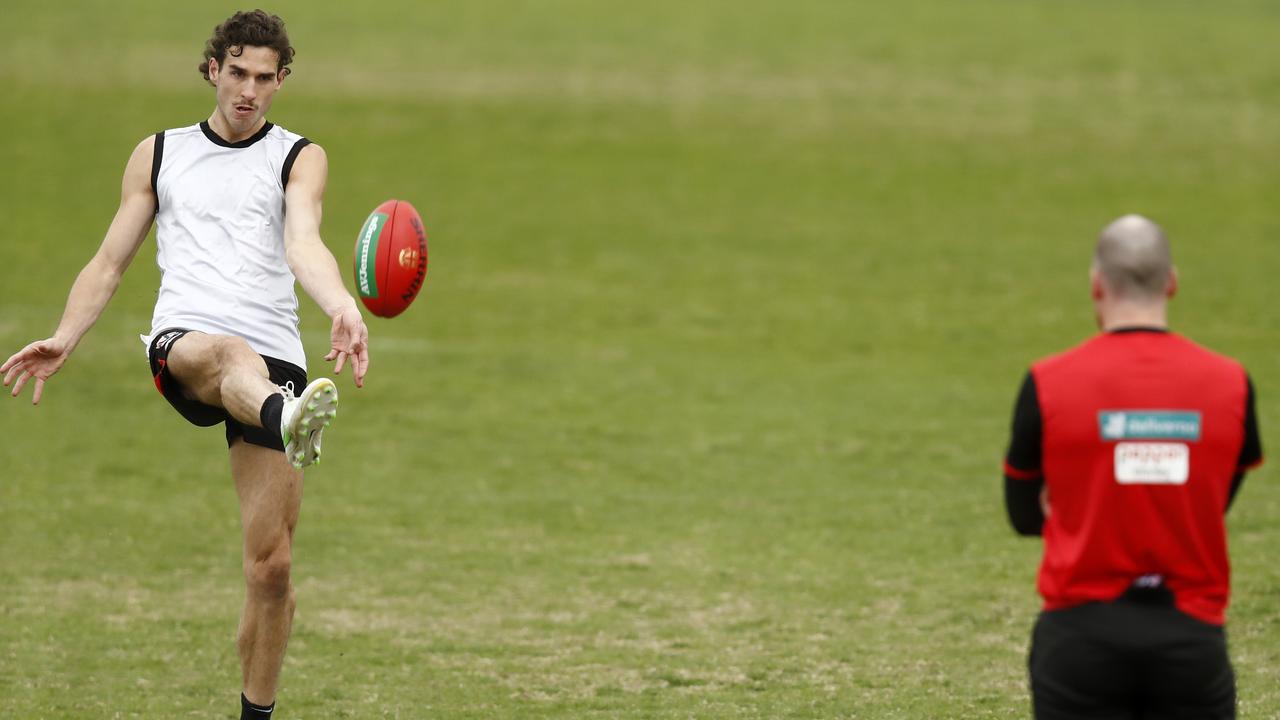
x: 39, y: 391
x: 359, y: 365
x: 332, y: 354
x: 342, y: 360
x: 22, y: 381
x: 11, y: 374
x: 18, y: 357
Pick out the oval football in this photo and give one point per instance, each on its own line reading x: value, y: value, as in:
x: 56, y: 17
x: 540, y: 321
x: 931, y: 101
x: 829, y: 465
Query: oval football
x: 390, y: 260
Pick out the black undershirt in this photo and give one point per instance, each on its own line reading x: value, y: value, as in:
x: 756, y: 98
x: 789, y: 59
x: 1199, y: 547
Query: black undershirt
x: 1022, y: 497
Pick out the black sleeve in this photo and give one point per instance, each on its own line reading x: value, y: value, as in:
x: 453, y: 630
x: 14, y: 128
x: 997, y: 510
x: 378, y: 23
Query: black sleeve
x: 1022, y: 461
x: 1022, y: 502
x: 1251, y: 449
x: 1022, y: 474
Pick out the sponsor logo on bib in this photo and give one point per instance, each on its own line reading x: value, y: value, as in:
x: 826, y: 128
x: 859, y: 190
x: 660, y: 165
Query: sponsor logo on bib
x: 1149, y: 425
x: 1152, y: 463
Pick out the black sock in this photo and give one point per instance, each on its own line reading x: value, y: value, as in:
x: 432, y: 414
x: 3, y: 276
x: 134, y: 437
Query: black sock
x: 249, y: 711
x: 270, y: 414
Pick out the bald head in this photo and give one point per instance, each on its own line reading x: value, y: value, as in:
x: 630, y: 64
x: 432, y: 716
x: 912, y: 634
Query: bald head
x: 1133, y: 260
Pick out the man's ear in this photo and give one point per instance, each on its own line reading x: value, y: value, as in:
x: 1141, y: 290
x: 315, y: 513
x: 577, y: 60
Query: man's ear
x: 1171, y: 288
x: 1095, y: 284
x: 213, y: 70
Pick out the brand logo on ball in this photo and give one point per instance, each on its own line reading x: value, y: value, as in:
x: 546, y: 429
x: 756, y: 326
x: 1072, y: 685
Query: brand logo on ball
x: 408, y: 258
x: 1149, y: 425
x: 367, y: 254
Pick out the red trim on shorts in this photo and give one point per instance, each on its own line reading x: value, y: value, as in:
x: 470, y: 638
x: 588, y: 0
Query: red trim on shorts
x: 159, y: 382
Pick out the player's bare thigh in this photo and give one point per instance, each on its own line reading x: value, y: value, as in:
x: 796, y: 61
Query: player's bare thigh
x: 200, y: 361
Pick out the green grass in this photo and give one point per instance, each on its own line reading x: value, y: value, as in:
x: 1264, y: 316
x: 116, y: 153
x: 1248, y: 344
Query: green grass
x: 701, y: 409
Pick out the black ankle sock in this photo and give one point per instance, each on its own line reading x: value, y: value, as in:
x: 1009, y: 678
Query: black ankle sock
x: 270, y: 414
x: 249, y: 711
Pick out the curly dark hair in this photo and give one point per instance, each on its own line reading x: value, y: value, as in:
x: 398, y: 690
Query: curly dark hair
x: 255, y: 28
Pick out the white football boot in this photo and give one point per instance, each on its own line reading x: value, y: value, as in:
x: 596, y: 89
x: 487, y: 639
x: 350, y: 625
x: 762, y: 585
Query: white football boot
x: 305, y: 417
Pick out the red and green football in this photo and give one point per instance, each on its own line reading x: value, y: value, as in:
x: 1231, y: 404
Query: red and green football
x: 391, y: 258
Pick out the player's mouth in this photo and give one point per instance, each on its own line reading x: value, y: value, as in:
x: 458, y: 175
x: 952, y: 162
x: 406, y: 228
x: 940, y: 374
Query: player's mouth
x: 244, y: 111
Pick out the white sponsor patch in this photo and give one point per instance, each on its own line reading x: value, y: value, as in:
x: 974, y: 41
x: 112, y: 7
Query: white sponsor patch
x: 1151, y: 463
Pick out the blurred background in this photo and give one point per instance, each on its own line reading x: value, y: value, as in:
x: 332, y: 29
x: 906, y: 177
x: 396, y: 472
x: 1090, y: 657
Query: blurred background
x: 701, y: 409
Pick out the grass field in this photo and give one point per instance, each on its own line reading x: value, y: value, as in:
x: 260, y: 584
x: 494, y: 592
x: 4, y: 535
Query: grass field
x: 701, y: 410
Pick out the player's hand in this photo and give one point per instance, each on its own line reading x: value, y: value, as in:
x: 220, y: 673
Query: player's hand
x: 349, y: 343
x: 1044, y: 502
x: 39, y: 360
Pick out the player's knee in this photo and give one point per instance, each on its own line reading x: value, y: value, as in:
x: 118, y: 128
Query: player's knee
x: 268, y: 575
x: 233, y: 357
x: 230, y: 350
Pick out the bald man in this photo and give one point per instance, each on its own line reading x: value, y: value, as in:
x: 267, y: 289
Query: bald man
x: 1125, y: 454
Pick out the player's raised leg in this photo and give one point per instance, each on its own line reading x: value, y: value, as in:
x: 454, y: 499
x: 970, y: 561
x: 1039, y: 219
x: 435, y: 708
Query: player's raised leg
x: 222, y: 371
x: 270, y: 492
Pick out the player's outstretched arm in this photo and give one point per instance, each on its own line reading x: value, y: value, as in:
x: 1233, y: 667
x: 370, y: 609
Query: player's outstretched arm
x: 314, y: 266
x: 96, y: 283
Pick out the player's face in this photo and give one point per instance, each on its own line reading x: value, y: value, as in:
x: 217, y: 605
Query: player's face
x: 246, y: 84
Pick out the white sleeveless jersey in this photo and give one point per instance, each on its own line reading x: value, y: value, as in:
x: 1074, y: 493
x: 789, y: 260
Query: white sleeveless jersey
x: 220, y: 237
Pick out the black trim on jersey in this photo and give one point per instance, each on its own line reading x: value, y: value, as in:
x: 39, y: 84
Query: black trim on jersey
x: 217, y: 139
x: 156, y: 155
x: 1137, y: 328
x: 288, y: 160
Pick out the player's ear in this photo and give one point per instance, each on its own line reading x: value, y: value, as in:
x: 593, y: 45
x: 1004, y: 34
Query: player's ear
x: 1095, y: 284
x: 1171, y: 288
x: 213, y: 70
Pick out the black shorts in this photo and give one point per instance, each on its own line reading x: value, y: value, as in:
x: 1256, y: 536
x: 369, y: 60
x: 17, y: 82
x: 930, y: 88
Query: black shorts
x: 1130, y: 660
x: 196, y: 412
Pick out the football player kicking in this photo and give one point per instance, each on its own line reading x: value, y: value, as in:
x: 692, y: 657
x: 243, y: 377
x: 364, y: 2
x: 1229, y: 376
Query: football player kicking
x: 224, y: 346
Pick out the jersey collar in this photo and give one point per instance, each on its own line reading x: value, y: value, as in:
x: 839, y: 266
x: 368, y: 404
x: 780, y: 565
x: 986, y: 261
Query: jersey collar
x: 1137, y: 328
x: 216, y: 139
